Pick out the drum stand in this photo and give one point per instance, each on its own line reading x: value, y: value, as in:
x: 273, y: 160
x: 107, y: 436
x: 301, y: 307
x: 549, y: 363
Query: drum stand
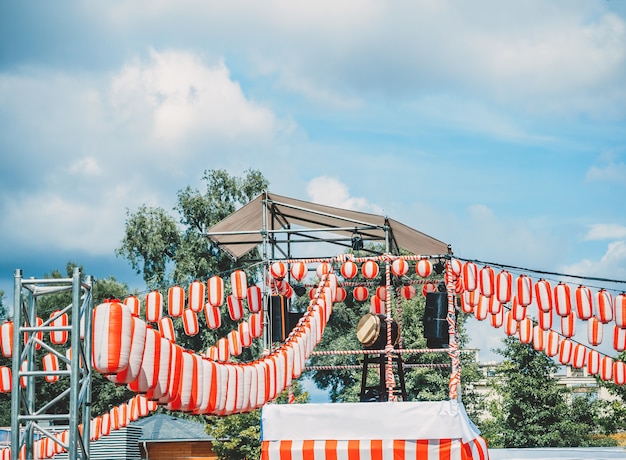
x: 378, y: 393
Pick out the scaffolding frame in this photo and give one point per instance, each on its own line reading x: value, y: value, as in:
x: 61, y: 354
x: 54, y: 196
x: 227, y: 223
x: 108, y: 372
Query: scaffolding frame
x: 26, y: 418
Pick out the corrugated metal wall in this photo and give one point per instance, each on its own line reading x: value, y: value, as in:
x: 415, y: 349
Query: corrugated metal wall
x: 121, y: 444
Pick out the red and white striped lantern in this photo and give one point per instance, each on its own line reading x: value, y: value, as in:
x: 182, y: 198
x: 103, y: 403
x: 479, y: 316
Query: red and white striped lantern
x: 423, y: 268
x: 175, y: 301
x: 457, y: 266
x: 553, y: 343
x: 544, y: 318
x: 196, y: 296
x: 518, y: 310
x: 166, y: 328
x: 349, y: 269
x: 377, y: 306
x: 6, y: 339
x: 584, y: 302
x: 526, y: 330
x: 222, y: 349
x: 494, y: 305
x: 619, y: 372
x: 381, y: 293
x: 510, y: 325
x: 255, y: 298
x: 163, y: 379
x: 568, y: 325
x: 340, y: 294
x: 278, y: 270
x: 105, y: 426
x: 504, y: 286
x: 593, y: 362
x: 244, y: 334
x: 190, y: 322
x: 470, y: 276
x: 524, y: 290
x: 234, y: 343
x: 51, y: 364
x: 482, y: 309
x: 539, y: 339
x: 370, y: 269
x: 619, y: 310
x: 360, y: 293
x: 579, y: 356
x: 562, y: 299
x: 429, y: 287
x: 399, y: 267
x: 407, y: 292
x: 215, y: 291
x: 213, y: 316
x: 149, y: 371
x: 565, y: 351
x: 469, y: 300
x: 112, y: 323
x: 594, y: 331
x: 497, y: 319
x: 235, y: 307
x: 134, y: 304
x: 606, y: 368
x: 256, y: 324
x: 543, y: 295
x: 191, y: 388
x: 38, y: 335
x: 604, y: 306
x: 323, y: 269
x: 154, y: 306
x: 175, y: 375
x: 486, y: 278
x: 298, y: 271
x: 60, y: 320
x: 619, y: 338
x: 5, y: 379
x: 239, y: 284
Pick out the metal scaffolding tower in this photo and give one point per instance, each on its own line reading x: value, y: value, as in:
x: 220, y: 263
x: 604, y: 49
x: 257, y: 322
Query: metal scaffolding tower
x: 29, y: 422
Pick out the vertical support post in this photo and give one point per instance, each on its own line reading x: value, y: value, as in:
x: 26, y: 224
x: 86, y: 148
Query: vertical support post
x: 15, y: 365
x: 266, y: 301
x: 75, y: 372
x: 389, y: 379
x: 453, y: 351
x: 31, y: 359
x: 86, y: 311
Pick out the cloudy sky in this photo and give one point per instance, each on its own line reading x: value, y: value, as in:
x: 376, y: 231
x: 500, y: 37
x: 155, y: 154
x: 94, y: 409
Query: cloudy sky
x: 499, y: 127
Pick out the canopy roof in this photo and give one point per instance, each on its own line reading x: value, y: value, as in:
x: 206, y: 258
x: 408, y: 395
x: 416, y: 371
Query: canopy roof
x: 274, y: 215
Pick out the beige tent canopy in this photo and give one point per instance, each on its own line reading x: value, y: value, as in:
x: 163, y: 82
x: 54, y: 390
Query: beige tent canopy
x: 274, y: 219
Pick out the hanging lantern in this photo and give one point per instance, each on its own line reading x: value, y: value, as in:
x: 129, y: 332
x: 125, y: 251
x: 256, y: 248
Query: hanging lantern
x: 360, y: 293
x: 584, y: 303
x: 175, y: 301
x: 526, y: 330
x: 510, y: 325
x: 539, y: 338
x: 154, y: 306
x: 196, y: 296
x: 423, y: 268
x: 543, y: 294
x: 134, y: 304
x: 278, y: 270
x: 377, y: 306
x: 60, y: 320
x: 497, y: 319
x: 568, y: 324
x: 482, y: 309
x: 553, y: 343
x: 381, y: 293
x: 137, y: 345
x: 565, y: 351
x: 235, y: 307
x: 234, y: 343
x: 579, y: 356
x: 172, y: 394
x: 190, y: 388
x: 222, y: 349
x: 407, y: 292
x: 341, y: 294
x: 544, y: 318
x: 399, y: 267
x: 457, y: 266
x: 619, y: 338
x: 112, y: 323
x: 215, y: 291
x: 593, y: 362
x: 255, y: 298
x: 594, y: 331
x: 244, y: 334
x: 105, y: 426
x: 38, y: 335
x: 163, y: 378
x: 212, y: 316
x: 524, y: 290
x: 5, y: 379
x: 166, y: 328
x: 370, y: 269
x: 51, y: 364
x: 349, y: 269
x: 619, y: 372
x: 494, y: 305
x: 486, y: 278
x: 470, y: 276
x: 606, y: 368
x: 23, y: 380
x: 239, y: 284
x: 604, y: 305
x: 256, y: 324
x: 504, y: 283
x: 190, y: 322
x: 211, y: 353
x: 6, y: 339
x: 149, y: 370
x: 562, y: 299
x: 323, y: 269
x: 518, y: 311
x: 429, y: 287
x: 459, y: 285
x: 619, y: 309
x: 298, y: 271
x: 467, y: 302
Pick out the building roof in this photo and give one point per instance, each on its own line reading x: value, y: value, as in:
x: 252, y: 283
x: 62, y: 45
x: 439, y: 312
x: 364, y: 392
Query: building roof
x: 242, y: 231
x: 163, y: 427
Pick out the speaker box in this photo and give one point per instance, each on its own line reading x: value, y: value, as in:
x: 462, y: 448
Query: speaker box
x: 435, y: 319
x: 283, y: 321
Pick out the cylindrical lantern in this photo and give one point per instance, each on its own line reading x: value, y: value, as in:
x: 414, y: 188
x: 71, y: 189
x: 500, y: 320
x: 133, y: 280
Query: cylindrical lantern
x: 510, y: 325
x: 619, y: 339
x: 163, y: 379
x: 468, y: 301
x: 323, y: 269
x: 399, y: 267
x: 244, y: 334
x: 606, y: 368
x: 423, y: 268
x: 370, y: 269
x: 562, y: 299
x: 457, y: 266
x: 604, y: 306
x: 213, y: 316
x: 298, y: 271
x: 239, y: 284
x: 543, y: 294
x: 112, y: 323
x: 222, y: 349
x: 594, y: 331
x: 175, y: 301
x: 497, y: 319
x: 149, y: 371
x: 553, y: 343
x: 524, y: 290
x: 278, y: 270
x: 134, y: 304
x: 255, y: 298
x: 166, y: 328
x: 235, y: 307
x: 5, y: 379
x: 565, y: 351
x: 51, y: 364
x: 470, y: 276
x: 360, y: 293
x: 619, y: 310
x: 593, y: 362
x: 619, y: 372
x: 6, y: 339
x: 568, y: 324
x: 504, y: 286
x: 486, y: 278
x: 154, y: 306
x: 579, y: 356
x: 196, y: 296
x: 256, y: 324
x: 234, y: 343
x: 381, y: 292
x: 190, y: 322
x: 215, y: 291
x: 526, y: 330
x: 349, y: 269
x: 407, y: 292
x: 518, y: 310
x: 539, y: 338
x: 377, y: 306
x: 584, y: 303
x: 544, y: 318
x: 482, y: 309
x: 60, y: 320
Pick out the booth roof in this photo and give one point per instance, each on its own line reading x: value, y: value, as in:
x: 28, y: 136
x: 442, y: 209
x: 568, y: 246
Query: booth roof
x: 241, y: 231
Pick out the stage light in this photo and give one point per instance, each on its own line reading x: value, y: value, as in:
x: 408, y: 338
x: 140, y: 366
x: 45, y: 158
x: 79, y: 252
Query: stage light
x: 439, y: 267
x: 357, y: 242
x: 299, y: 289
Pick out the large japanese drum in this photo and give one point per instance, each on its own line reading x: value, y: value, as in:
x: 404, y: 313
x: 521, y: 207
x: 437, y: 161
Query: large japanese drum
x: 371, y: 331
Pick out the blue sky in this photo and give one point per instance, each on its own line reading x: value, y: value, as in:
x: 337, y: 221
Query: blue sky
x: 499, y: 127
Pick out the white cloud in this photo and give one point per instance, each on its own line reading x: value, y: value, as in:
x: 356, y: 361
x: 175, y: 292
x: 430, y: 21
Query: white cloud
x: 332, y: 192
x: 610, y: 172
x: 88, y: 166
x: 606, y: 232
x: 612, y: 264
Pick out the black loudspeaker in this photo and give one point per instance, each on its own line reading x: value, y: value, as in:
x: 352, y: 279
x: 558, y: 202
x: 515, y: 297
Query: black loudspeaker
x: 435, y: 320
x: 283, y: 321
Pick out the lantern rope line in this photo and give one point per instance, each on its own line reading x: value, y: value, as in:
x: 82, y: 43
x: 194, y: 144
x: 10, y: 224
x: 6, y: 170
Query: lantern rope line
x: 359, y: 367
